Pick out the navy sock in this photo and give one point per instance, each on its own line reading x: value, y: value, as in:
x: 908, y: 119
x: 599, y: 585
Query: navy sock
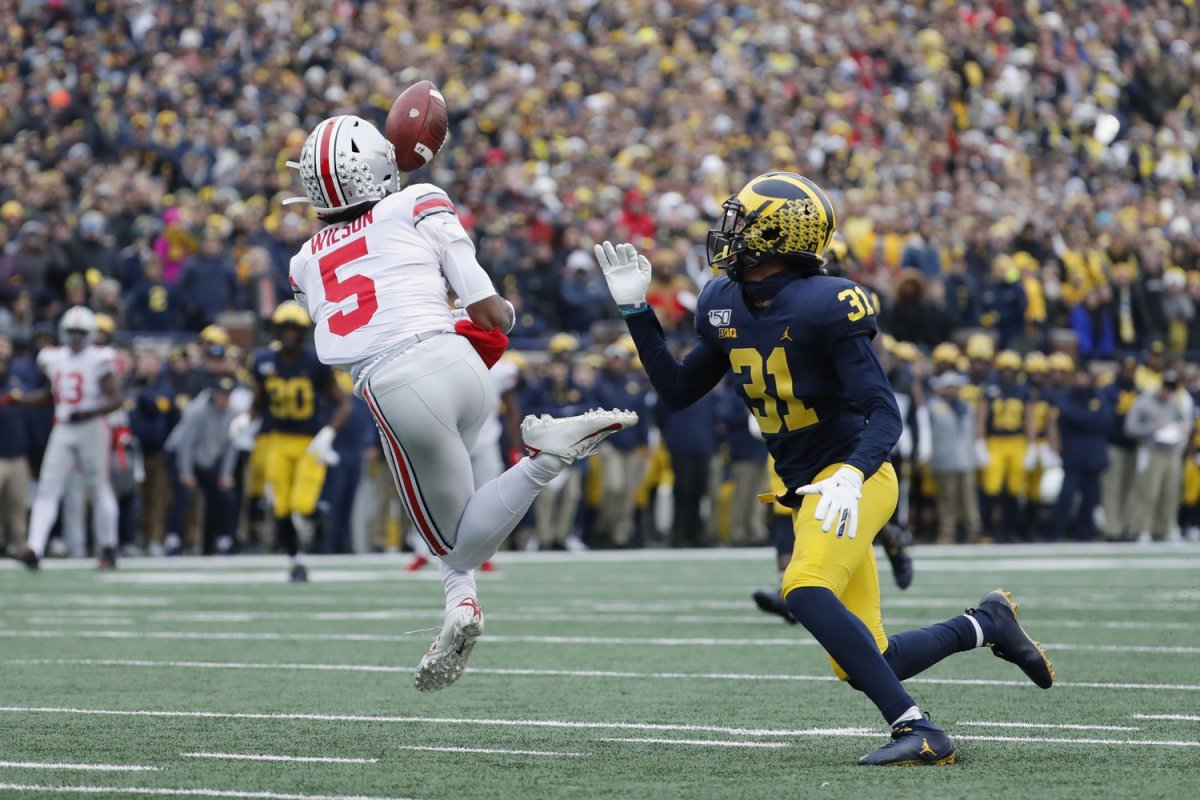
x: 850, y: 644
x: 912, y: 652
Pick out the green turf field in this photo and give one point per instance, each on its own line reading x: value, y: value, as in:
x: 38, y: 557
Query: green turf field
x: 646, y: 675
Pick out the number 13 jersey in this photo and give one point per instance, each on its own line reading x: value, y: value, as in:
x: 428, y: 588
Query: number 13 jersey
x: 75, y: 377
x: 373, y: 282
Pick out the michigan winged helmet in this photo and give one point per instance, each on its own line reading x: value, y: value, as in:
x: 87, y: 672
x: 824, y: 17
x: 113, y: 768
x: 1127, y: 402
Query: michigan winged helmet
x: 778, y: 216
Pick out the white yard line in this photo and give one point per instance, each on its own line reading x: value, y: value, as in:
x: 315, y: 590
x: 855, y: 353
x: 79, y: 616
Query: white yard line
x: 574, y: 725
x: 485, y: 750
x: 1169, y: 717
x: 764, y: 555
x: 576, y: 673
x: 700, y: 742
x: 635, y: 641
x: 1063, y: 726
x: 971, y: 737
x: 77, y: 767
x: 538, y: 616
x: 163, y: 792
x: 289, y: 759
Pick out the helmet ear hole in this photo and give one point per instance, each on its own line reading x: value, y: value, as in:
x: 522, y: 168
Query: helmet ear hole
x: 353, y: 146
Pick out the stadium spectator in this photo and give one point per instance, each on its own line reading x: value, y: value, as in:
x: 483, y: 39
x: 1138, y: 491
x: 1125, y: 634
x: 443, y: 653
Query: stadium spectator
x: 1083, y: 424
x: 1161, y: 421
x: 204, y: 457
x: 952, y: 459
x: 14, y: 464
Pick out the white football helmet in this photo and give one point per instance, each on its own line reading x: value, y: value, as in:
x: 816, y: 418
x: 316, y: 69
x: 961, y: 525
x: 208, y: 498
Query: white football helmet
x: 345, y: 162
x: 77, y: 327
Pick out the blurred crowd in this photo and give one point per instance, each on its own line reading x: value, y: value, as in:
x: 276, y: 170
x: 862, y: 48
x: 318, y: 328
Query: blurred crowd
x: 1025, y: 169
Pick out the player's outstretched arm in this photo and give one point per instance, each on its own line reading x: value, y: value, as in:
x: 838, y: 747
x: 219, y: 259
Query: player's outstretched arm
x: 678, y: 384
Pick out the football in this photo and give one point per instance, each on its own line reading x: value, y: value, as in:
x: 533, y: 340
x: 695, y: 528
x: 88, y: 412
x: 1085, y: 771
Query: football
x: 417, y: 125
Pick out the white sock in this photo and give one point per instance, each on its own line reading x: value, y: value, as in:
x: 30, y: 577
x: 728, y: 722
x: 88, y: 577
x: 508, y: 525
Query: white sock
x: 543, y: 468
x: 104, y: 516
x: 458, y: 584
x: 306, y: 531
x: 913, y: 713
x: 497, y: 507
x: 41, y: 519
x: 978, y: 630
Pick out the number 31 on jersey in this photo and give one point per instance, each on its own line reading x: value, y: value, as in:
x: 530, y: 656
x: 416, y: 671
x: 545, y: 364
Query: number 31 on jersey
x: 796, y: 414
x: 860, y: 303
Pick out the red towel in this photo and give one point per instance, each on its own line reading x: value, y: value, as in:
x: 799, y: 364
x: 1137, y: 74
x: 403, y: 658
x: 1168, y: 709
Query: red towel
x: 489, y: 344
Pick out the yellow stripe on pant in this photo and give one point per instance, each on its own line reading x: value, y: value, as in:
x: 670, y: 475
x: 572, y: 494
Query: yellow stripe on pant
x: 295, y: 476
x: 845, y: 566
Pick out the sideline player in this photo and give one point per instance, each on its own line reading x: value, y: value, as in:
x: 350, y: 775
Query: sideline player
x: 375, y: 281
x: 83, y: 389
x: 291, y: 390
x: 797, y: 344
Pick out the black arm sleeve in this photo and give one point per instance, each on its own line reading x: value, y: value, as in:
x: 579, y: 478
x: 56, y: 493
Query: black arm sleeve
x: 861, y: 373
x: 678, y: 384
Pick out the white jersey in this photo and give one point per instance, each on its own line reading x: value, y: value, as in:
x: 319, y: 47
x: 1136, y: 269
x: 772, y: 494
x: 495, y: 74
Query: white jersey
x: 371, y: 283
x: 75, y: 377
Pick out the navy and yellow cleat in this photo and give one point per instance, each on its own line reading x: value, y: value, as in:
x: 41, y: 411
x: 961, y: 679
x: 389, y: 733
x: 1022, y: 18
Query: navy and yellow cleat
x: 298, y: 574
x: 773, y: 603
x: 1012, y: 643
x: 915, y: 743
x: 895, y: 541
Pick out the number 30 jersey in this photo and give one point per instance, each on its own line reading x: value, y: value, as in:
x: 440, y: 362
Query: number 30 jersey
x: 791, y: 362
x: 293, y: 389
x: 75, y: 377
x: 373, y: 282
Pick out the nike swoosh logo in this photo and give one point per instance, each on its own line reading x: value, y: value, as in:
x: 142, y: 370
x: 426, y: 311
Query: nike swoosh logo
x: 616, y: 426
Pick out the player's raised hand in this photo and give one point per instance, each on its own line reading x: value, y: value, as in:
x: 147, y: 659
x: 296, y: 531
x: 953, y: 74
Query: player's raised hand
x: 838, y: 505
x: 627, y: 273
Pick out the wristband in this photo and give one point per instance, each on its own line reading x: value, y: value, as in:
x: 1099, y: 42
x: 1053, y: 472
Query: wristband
x: 629, y: 311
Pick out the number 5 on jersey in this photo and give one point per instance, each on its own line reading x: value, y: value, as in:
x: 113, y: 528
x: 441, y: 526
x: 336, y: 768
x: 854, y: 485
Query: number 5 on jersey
x: 360, y: 287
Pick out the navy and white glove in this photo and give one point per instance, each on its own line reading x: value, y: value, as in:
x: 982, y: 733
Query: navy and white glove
x: 838, y: 506
x: 627, y: 274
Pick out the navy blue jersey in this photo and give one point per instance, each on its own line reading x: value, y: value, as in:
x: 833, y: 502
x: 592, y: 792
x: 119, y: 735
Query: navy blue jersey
x: 804, y: 365
x: 293, y: 390
x: 1006, y: 409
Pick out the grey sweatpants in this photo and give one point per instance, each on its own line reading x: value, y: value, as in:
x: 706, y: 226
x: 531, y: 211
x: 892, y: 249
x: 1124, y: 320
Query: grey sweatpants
x: 429, y: 403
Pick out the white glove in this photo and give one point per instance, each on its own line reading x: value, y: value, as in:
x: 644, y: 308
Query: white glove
x: 321, y: 447
x: 627, y: 273
x: 239, y: 425
x: 839, y: 501
x: 982, y: 456
x: 1049, y: 458
x: 1031, y: 457
x: 755, y: 429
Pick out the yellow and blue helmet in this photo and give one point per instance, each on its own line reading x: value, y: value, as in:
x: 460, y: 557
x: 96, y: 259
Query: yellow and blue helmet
x: 778, y: 216
x: 289, y: 312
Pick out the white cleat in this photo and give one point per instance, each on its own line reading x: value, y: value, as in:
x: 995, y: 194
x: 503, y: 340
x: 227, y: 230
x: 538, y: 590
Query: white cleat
x: 570, y: 438
x: 447, y: 657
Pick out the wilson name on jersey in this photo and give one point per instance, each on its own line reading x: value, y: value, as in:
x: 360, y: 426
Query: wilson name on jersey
x: 780, y: 363
x: 294, y: 391
x: 371, y: 283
